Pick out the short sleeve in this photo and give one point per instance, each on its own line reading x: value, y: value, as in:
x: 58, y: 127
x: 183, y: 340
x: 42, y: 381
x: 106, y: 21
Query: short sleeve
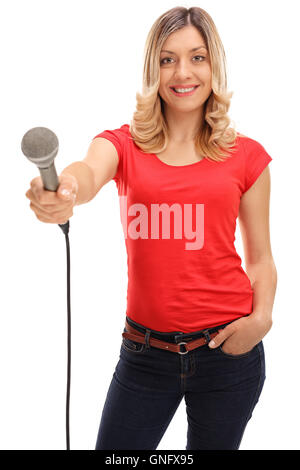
x: 116, y: 137
x: 256, y: 160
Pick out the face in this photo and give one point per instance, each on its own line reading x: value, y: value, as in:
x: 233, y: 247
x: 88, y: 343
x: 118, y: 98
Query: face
x: 183, y: 68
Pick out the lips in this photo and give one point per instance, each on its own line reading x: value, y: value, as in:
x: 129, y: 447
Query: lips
x: 192, y: 85
x: 193, y: 88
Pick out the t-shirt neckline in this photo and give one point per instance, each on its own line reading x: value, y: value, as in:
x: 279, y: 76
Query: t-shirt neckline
x: 167, y: 164
x: 177, y: 166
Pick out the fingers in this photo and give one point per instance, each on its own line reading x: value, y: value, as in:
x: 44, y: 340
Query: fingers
x: 221, y: 336
x: 46, y: 200
x: 45, y: 208
x: 50, y: 216
x: 37, y: 201
x: 65, y: 192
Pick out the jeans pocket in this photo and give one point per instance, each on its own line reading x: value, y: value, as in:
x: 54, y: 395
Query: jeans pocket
x: 236, y: 356
x: 133, y: 346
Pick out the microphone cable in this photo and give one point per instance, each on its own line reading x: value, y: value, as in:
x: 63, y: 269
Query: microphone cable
x: 65, y: 228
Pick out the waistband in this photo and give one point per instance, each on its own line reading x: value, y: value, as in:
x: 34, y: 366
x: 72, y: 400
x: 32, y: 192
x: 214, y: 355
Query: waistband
x: 176, y: 336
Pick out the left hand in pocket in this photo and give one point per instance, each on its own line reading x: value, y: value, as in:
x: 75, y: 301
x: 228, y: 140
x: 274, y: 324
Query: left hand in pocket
x: 242, y: 335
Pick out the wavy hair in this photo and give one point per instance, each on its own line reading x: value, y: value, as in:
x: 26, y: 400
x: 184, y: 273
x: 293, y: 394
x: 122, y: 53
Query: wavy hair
x: 148, y: 126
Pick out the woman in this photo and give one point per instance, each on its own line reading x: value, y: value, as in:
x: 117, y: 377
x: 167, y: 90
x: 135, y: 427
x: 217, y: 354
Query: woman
x: 180, y: 291
x: 195, y: 319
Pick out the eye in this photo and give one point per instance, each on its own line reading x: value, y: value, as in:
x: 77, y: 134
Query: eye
x: 166, y: 58
x: 200, y: 56
x: 170, y: 58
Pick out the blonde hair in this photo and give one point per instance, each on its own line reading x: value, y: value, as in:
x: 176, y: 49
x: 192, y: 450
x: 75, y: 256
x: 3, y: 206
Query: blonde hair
x: 148, y: 126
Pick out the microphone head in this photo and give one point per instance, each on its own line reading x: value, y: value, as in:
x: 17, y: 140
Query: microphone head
x: 40, y: 146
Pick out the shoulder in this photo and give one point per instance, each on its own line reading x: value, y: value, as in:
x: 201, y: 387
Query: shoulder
x: 255, y: 158
x: 124, y: 129
x: 249, y: 144
x: 122, y: 133
x: 118, y: 132
x: 118, y: 136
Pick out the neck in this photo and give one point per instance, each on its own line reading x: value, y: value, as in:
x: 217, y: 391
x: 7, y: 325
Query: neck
x: 183, y: 127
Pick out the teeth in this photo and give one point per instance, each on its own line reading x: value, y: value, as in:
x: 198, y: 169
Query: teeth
x: 183, y: 90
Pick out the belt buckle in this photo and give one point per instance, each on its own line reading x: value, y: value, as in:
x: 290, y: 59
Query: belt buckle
x: 180, y: 352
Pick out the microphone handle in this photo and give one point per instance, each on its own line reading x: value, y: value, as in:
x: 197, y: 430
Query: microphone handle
x: 49, y: 177
x: 51, y: 183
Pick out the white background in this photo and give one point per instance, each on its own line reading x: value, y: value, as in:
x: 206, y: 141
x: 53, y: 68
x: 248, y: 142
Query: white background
x: 75, y: 67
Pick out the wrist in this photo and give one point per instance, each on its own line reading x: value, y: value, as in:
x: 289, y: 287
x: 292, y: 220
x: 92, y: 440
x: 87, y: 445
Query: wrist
x: 261, y: 318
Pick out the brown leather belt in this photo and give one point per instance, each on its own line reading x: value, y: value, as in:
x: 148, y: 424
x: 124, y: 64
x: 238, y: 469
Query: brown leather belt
x: 139, y: 337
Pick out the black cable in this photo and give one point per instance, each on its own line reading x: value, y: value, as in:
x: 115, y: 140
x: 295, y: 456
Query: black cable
x: 65, y: 229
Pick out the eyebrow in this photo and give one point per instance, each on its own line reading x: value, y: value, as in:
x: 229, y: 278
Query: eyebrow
x: 192, y: 50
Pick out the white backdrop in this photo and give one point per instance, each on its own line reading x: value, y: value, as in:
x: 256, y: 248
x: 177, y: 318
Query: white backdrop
x: 75, y: 67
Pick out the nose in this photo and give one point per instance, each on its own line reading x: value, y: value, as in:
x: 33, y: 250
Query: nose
x: 182, y: 69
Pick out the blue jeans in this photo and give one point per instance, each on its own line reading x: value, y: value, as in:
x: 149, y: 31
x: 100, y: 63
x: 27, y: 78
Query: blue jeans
x: 220, y: 392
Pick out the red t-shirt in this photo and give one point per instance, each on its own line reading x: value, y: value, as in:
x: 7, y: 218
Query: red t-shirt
x: 179, y: 222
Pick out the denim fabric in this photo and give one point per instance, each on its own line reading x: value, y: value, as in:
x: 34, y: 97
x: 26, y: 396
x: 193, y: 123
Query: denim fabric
x: 220, y: 392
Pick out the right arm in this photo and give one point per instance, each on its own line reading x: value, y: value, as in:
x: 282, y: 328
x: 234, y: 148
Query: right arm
x: 95, y: 170
x: 82, y: 178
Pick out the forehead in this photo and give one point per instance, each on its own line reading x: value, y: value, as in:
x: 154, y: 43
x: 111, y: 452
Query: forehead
x: 184, y: 39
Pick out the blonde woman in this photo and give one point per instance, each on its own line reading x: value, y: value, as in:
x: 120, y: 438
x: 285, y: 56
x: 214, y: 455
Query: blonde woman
x: 195, y: 319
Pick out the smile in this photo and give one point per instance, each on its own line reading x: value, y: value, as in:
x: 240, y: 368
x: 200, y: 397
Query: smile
x: 184, y: 93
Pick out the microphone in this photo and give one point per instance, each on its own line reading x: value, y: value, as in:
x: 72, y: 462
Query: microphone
x: 40, y: 146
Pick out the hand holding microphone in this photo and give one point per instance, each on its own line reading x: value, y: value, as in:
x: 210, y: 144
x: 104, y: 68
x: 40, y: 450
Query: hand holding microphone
x: 53, y: 207
x: 40, y: 146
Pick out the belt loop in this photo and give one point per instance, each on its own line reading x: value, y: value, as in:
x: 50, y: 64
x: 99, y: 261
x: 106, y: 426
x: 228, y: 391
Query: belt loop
x: 207, y: 336
x: 147, y: 336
